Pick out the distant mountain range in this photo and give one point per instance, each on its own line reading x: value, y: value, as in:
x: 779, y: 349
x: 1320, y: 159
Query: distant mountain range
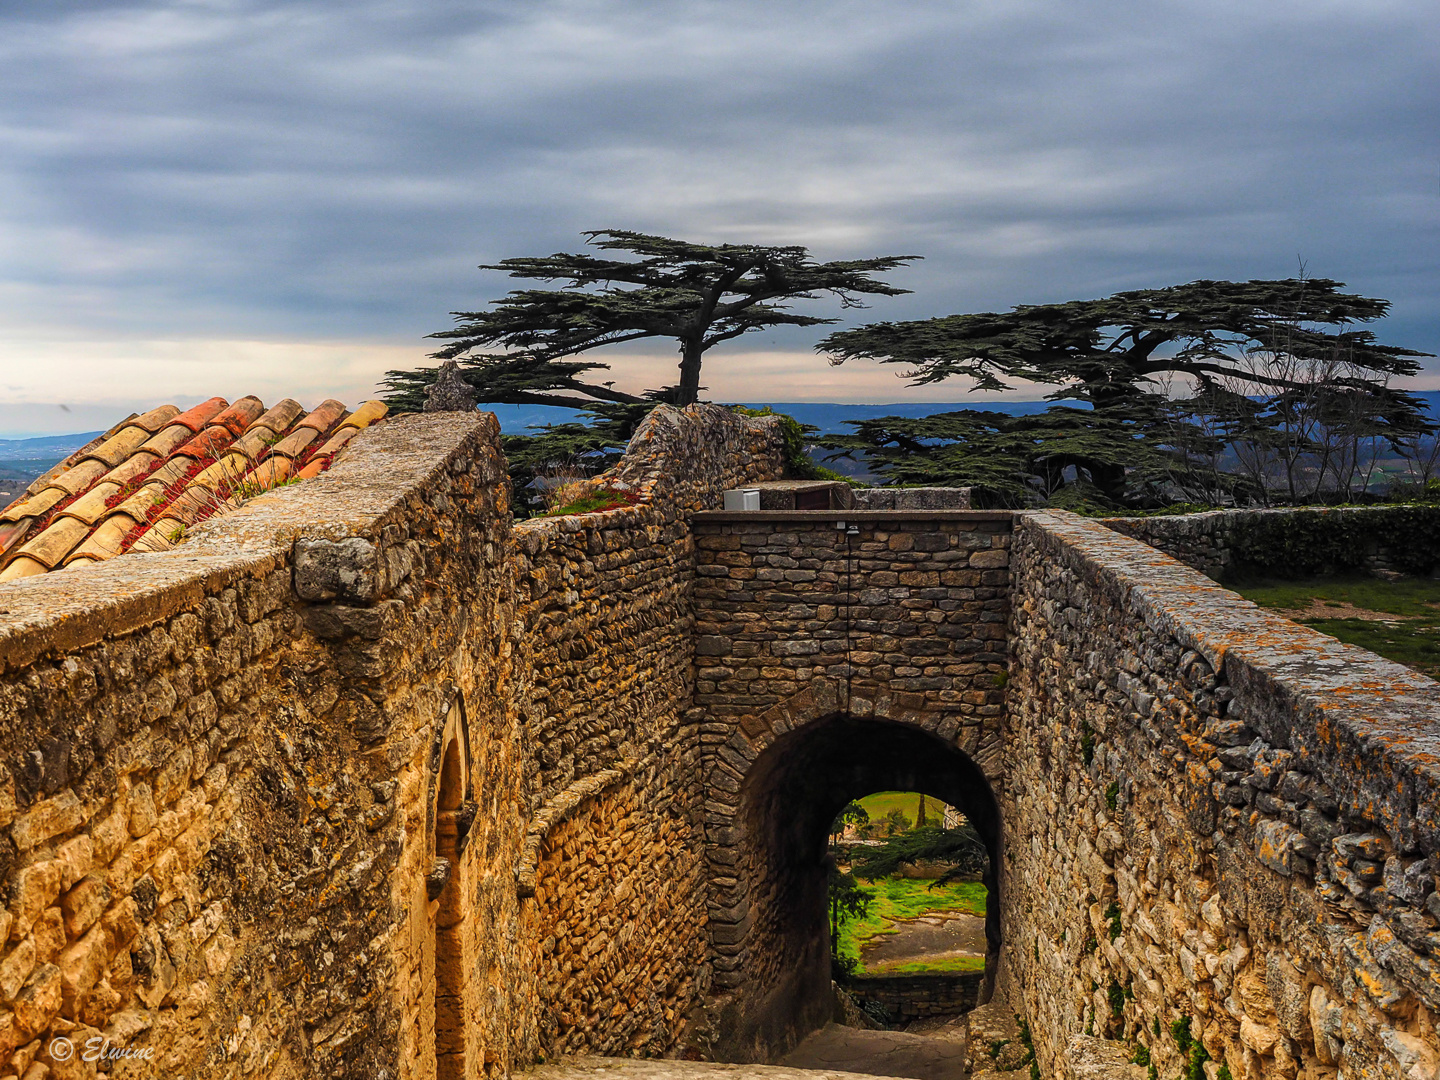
x: 21, y: 460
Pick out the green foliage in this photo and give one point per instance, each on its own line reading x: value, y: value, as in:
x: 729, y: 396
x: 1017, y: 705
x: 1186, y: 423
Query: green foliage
x: 697, y: 295
x: 1180, y: 1031
x: 961, y: 847
x: 1029, y: 1043
x: 848, y: 901
x: 1142, y: 1056
x: 798, y: 463
x: 593, y: 502
x: 1271, y: 363
x: 1087, y: 742
x: 1112, y: 795
x: 897, y: 899
x: 1116, y: 996
x: 1308, y: 543
x: 854, y: 813
x: 1112, y: 916
x: 1223, y: 1073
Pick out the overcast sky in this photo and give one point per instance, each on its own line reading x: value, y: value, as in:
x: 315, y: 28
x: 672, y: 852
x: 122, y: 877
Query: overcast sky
x: 232, y: 196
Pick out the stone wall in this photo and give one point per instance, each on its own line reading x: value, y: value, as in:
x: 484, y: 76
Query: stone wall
x: 332, y: 788
x: 1295, y: 542
x: 617, y: 924
x: 831, y: 663
x: 1220, y: 825
x: 914, y: 997
x: 215, y: 761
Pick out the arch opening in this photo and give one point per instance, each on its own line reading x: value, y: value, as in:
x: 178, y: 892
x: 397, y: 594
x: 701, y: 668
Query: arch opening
x: 447, y: 909
x: 779, y: 952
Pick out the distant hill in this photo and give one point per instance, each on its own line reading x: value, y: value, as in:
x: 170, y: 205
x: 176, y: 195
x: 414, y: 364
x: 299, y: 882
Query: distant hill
x: 22, y: 460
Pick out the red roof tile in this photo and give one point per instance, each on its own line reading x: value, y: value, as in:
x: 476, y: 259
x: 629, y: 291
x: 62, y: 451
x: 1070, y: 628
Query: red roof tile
x: 189, y: 466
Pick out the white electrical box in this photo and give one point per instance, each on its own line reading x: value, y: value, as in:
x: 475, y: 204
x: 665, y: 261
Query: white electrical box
x: 743, y: 499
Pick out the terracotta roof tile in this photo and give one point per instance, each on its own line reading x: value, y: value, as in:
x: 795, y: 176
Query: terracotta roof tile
x: 120, y: 446
x: 366, y: 415
x: 240, y: 415
x: 156, y: 418
x: 105, y: 541
x: 90, y: 507
x: 207, y: 460
x: 22, y: 567
x: 294, y: 444
x: 338, y: 440
x: 201, y: 414
x: 168, y: 440
x: 58, y: 540
x: 280, y: 416
x: 76, y: 480
x: 36, y: 505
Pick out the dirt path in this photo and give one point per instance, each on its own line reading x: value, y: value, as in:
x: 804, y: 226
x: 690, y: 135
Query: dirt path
x: 933, y: 936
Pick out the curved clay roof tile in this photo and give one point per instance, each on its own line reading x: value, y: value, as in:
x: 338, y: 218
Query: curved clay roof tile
x: 280, y: 416
x: 168, y: 441
x: 90, y: 507
x: 294, y: 444
x: 59, y: 539
x: 338, y: 440
x: 240, y: 415
x: 156, y: 418
x: 272, y: 471
x: 74, y: 481
x: 201, y: 414
x: 208, y: 444
x: 255, y: 443
x: 22, y: 566
x: 366, y: 414
x: 105, y: 541
x: 119, y: 446
x: 138, y: 464
x: 325, y: 415
x: 224, y: 473
x: 36, y: 505
x: 143, y: 501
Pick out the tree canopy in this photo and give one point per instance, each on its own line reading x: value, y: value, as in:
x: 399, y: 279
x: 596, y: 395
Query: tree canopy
x: 1270, y: 357
x: 698, y: 295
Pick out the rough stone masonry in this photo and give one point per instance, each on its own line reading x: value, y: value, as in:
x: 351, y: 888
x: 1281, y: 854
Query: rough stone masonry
x: 366, y: 780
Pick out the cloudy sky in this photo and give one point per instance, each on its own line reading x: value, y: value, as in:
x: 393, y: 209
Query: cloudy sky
x: 232, y: 196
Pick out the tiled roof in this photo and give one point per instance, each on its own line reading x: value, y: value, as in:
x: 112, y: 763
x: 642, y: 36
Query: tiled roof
x: 143, y: 483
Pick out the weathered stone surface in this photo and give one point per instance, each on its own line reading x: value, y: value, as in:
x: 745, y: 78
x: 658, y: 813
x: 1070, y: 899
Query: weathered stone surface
x: 1139, y: 693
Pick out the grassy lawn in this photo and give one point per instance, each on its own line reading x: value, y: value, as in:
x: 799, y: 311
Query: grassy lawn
x: 1354, y: 610
x: 898, y: 898
x: 907, y: 802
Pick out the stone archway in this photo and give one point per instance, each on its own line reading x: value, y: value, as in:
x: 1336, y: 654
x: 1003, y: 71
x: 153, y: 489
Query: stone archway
x: 773, y: 789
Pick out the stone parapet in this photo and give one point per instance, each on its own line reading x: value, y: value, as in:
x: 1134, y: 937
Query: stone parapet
x: 1222, y: 833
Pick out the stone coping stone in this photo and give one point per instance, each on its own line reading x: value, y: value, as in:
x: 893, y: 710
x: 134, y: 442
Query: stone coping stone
x: 81, y: 605
x: 706, y: 517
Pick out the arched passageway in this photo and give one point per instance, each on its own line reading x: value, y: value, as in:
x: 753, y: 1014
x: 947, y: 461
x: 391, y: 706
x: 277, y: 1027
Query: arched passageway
x: 777, y: 953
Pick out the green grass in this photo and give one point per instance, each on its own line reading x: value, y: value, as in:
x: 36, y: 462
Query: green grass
x: 898, y: 898
x: 1413, y: 640
x: 907, y: 802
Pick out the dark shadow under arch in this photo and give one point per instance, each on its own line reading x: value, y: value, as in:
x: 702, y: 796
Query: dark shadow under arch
x: 788, y: 799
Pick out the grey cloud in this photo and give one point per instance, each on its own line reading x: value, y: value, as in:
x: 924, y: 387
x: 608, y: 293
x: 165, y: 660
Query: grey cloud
x: 336, y: 169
